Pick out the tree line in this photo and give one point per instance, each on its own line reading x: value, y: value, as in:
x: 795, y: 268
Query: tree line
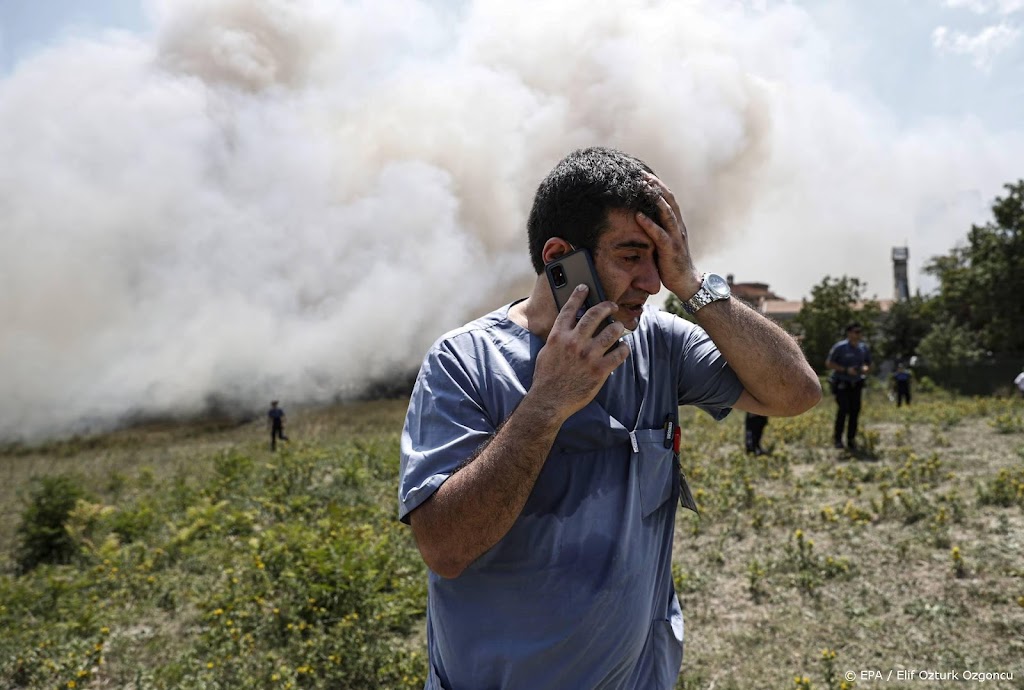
x: 976, y: 314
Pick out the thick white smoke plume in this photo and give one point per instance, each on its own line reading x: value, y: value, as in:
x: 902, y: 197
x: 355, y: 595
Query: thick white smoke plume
x: 293, y: 198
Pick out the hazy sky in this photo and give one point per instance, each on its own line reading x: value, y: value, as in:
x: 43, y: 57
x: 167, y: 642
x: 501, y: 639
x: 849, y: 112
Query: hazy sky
x: 244, y: 199
x: 29, y: 26
x: 927, y: 59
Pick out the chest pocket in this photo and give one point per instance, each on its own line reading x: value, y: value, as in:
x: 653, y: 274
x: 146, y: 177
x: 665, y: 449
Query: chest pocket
x: 657, y: 475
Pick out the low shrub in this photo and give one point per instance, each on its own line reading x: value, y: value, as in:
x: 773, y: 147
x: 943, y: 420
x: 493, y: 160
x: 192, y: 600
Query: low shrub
x: 42, y: 536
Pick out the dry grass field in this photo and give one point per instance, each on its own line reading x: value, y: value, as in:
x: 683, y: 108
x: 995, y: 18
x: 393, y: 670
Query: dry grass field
x: 201, y: 560
x: 811, y: 564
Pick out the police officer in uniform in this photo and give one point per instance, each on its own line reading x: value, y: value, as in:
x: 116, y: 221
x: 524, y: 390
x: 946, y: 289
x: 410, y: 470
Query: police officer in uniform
x: 850, y: 362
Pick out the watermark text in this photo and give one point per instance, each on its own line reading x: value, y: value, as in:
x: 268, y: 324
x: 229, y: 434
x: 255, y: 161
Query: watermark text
x: 902, y: 675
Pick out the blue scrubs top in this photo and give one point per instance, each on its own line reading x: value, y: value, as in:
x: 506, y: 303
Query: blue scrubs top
x: 579, y: 593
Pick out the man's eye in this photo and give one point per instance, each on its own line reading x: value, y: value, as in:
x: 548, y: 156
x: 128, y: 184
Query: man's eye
x: 631, y: 259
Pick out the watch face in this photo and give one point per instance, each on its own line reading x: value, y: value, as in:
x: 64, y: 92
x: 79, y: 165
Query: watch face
x: 718, y: 285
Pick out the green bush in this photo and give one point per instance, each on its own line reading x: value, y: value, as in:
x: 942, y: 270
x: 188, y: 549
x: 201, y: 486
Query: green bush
x: 42, y: 537
x: 290, y: 573
x: 1006, y: 490
x: 133, y: 523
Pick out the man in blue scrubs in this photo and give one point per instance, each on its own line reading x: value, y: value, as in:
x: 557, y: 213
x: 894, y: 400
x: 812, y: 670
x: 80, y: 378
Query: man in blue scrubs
x: 537, y: 467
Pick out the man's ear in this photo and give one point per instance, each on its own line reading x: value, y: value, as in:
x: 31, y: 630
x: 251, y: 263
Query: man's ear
x: 554, y: 248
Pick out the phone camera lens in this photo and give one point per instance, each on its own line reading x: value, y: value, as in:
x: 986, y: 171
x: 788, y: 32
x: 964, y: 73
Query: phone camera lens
x: 558, y: 274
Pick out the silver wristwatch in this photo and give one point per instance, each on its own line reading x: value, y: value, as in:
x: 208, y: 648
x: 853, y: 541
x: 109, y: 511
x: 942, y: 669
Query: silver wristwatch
x: 714, y: 288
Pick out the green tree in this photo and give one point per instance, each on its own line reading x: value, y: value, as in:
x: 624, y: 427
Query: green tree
x: 834, y: 303
x: 903, y: 326
x: 948, y: 347
x: 982, y: 283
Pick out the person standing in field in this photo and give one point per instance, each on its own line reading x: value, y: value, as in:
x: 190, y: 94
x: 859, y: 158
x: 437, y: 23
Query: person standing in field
x: 275, y: 422
x: 850, y: 361
x: 539, y: 472
x: 753, y: 427
x: 901, y: 384
x: 1019, y: 381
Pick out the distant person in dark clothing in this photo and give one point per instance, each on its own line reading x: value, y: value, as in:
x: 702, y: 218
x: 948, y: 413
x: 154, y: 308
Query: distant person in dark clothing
x: 275, y: 420
x: 901, y: 382
x: 850, y: 362
x: 755, y: 425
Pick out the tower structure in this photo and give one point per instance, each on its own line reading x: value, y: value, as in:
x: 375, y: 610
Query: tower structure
x: 899, y: 269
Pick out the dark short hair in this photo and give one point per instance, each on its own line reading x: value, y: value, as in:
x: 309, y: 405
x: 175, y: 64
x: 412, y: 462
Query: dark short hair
x: 573, y: 201
x: 853, y: 326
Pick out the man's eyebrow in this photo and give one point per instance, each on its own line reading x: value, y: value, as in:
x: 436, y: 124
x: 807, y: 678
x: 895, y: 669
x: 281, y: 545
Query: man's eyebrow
x: 632, y: 244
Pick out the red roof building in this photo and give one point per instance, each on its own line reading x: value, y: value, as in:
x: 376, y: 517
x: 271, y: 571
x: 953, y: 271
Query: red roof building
x: 776, y: 308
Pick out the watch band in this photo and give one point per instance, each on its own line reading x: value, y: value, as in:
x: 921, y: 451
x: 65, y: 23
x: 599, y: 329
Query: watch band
x: 705, y: 295
x: 701, y: 299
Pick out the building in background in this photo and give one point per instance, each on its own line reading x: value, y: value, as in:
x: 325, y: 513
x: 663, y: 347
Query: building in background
x: 760, y: 298
x: 779, y: 309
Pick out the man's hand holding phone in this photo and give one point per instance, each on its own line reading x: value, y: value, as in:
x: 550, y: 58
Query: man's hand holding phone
x: 576, y: 360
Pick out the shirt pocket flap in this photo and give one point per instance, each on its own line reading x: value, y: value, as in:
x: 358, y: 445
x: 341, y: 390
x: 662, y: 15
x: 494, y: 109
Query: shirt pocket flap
x: 656, y: 469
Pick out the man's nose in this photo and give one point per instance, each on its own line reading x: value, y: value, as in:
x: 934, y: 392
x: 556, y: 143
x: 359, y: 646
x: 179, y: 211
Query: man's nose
x: 648, y: 279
